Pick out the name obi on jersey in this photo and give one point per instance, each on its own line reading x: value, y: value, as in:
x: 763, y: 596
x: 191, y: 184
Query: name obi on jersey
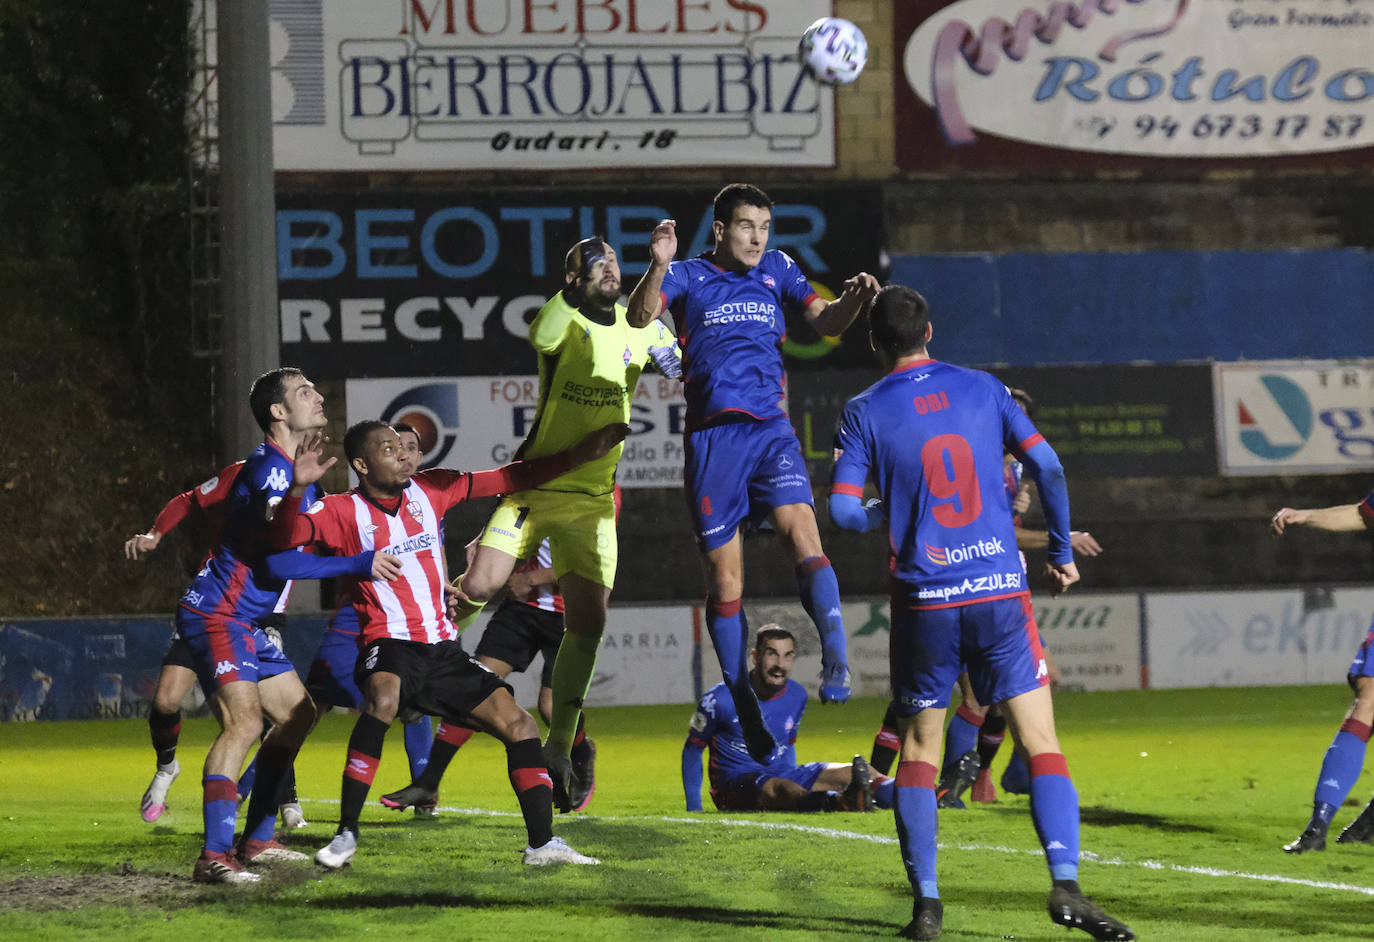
x: 232, y: 583
x: 588, y: 373
x: 940, y: 471
x: 411, y: 608
x: 731, y: 325
x: 715, y: 726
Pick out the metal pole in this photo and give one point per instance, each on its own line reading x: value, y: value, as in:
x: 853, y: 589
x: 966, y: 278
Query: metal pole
x: 250, y: 340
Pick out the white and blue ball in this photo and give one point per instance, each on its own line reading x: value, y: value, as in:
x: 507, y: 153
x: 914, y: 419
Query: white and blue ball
x: 833, y: 50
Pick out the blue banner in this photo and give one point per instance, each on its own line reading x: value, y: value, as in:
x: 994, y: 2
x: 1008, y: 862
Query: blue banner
x: 104, y: 668
x: 1044, y: 309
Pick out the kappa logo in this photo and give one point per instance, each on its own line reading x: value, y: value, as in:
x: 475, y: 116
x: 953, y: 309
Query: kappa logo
x: 225, y: 667
x: 768, y: 280
x: 277, y: 480
x: 1041, y: 669
x: 1055, y: 845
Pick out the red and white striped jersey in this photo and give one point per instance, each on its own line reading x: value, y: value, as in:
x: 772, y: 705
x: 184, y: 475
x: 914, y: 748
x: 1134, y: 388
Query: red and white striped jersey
x: 546, y: 595
x: 412, y: 607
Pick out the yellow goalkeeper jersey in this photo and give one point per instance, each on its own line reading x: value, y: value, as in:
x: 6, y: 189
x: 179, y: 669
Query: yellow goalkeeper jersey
x: 589, y: 367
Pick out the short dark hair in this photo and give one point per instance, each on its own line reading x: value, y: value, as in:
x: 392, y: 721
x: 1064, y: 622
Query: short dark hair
x: 734, y: 195
x: 267, y: 390
x: 772, y: 632
x: 898, y: 318
x: 1024, y: 400
x: 405, y: 427
x: 355, y: 439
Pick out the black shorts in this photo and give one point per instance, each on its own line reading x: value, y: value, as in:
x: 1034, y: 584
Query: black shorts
x: 178, y: 653
x: 517, y: 632
x: 437, y: 679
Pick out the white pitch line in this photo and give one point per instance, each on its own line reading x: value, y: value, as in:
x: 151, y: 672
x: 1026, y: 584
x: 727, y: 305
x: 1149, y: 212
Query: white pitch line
x: 881, y: 839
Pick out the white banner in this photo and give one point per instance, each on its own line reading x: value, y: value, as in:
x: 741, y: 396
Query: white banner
x: 645, y: 657
x: 1093, y: 637
x: 477, y: 422
x: 1164, y: 78
x: 513, y: 84
x: 1295, y: 417
x: 1236, y: 639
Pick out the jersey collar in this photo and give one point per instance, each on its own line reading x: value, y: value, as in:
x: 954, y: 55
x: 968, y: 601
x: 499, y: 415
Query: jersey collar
x: 913, y: 365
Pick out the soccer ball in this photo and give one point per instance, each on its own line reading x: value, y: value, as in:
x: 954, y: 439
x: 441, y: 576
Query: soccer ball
x: 833, y: 50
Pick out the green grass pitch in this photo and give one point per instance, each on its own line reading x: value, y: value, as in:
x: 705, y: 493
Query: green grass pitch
x: 1186, y: 795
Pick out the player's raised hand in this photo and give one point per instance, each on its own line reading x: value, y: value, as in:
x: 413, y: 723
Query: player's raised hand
x: 141, y: 543
x: 1061, y: 575
x: 385, y: 567
x: 598, y: 443
x: 309, y: 465
x: 663, y: 242
x: 1285, y: 517
x: 862, y: 288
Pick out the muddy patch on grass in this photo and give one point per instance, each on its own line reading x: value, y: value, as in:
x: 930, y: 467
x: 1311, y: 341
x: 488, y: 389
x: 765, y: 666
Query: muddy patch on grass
x: 127, y: 887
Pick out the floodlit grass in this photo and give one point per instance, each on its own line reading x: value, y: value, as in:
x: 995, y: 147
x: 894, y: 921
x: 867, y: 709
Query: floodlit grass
x: 1186, y: 797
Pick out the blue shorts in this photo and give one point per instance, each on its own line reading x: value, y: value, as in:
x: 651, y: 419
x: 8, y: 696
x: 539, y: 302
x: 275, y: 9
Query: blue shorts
x: 741, y: 792
x: 996, y: 641
x: 740, y: 471
x: 330, y: 682
x: 1363, y: 665
x: 225, y: 650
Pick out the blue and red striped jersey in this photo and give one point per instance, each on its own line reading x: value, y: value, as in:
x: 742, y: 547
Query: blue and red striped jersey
x: 933, y: 435
x: 730, y: 326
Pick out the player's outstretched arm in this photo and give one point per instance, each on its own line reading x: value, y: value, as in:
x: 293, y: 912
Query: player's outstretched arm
x: 1082, y: 541
x: 831, y: 318
x: 643, y: 303
x: 523, y: 475
x: 1343, y: 518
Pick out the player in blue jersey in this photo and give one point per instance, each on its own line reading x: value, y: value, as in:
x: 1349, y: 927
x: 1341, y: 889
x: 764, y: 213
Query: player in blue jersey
x: 743, y: 460
x: 1344, y: 758
x: 976, y: 731
x: 178, y: 673
x: 932, y: 437
x: 741, y: 783
x: 243, y: 674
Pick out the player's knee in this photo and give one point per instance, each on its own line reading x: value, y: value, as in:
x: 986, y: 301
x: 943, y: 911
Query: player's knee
x: 242, y: 726
x: 477, y: 588
x: 384, y: 706
x: 520, y: 726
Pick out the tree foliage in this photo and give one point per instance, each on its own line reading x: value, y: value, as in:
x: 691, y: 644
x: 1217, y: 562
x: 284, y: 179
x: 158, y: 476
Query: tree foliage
x: 103, y: 406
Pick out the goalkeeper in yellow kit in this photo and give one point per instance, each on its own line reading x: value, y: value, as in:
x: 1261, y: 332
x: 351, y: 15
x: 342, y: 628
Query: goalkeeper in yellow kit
x: 590, y: 359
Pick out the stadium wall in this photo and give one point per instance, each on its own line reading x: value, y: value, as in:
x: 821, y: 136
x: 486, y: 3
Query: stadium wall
x: 106, y: 668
